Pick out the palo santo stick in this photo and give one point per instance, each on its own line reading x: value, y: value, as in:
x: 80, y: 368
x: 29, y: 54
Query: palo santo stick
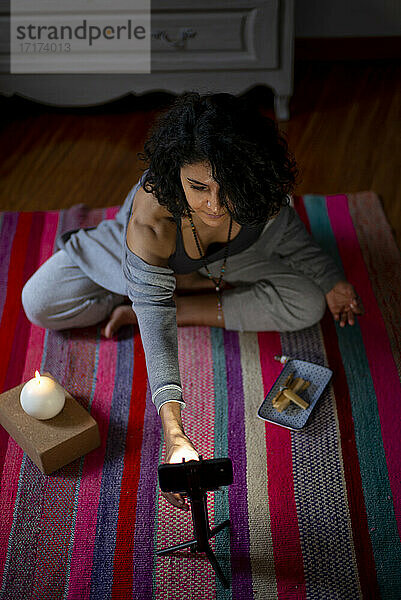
x: 287, y: 382
x: 290, y: 395
x: 283, y: 398
x: 289, y: 379
x: 297, y: 384
x: 277, y: 399
x: 282, y: 404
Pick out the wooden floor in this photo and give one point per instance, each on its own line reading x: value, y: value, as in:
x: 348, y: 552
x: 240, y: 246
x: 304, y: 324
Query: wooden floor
x: 344, y: 131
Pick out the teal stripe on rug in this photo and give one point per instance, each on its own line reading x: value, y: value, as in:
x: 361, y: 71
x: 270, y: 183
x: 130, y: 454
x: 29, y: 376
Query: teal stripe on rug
x: 372, y: 461
x: 221, y: 506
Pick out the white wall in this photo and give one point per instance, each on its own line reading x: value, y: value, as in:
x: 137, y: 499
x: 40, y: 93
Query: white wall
x: 343, y: 18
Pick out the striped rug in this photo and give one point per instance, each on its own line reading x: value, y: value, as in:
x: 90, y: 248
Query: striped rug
x: 315, y: 514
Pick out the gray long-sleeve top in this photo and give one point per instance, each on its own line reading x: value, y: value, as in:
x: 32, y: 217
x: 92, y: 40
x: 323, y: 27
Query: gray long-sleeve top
x: 151, y: 289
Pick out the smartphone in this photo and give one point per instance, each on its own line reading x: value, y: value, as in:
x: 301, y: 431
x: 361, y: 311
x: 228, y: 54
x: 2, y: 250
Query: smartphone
x: 211, y: 474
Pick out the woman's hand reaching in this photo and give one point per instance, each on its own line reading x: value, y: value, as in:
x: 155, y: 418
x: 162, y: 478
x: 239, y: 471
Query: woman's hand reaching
x: 177, y: 449
x: 344, y: 303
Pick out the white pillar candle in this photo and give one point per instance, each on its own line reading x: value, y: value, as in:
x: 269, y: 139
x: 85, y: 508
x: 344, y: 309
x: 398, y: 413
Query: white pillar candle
x: 42, y: 397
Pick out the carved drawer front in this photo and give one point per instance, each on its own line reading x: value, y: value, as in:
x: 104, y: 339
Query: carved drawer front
x: 215, y: 36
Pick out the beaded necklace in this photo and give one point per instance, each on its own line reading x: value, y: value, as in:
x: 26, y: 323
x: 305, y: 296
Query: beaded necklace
x: 217, y: 282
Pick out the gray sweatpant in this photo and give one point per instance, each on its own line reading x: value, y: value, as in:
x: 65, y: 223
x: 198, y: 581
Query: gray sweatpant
x: 269, y: 296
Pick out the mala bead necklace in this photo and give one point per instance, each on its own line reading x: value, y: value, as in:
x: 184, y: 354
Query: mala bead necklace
x: 217, y: 282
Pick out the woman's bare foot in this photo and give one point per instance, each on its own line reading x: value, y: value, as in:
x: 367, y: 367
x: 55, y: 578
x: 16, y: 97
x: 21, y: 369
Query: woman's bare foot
x: 121, y: 315
x: 196, y: 309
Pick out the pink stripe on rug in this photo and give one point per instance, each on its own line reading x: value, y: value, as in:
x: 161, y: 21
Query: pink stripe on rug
x: 189, y: 577
x: 377, y: 346
x: 13, y: 458
x: 89, y: 491
x: 283, y: 512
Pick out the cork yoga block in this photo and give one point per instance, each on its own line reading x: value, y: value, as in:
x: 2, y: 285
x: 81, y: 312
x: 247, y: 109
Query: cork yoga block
x: 53, y: 443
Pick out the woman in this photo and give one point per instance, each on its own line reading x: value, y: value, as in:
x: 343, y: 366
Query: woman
x: 211, y: 216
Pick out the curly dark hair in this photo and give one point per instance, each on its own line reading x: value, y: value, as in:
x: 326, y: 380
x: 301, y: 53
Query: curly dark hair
x: 249, y: 157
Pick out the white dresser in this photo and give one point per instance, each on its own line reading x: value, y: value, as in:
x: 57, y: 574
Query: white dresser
x: 203, y: 45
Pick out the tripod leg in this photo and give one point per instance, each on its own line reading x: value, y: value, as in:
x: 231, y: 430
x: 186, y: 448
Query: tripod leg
x: 218, y: 528
x: 217, y: 569
x: 191, y: 544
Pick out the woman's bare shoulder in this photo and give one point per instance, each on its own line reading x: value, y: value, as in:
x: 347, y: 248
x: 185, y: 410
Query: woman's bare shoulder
x: 151, y: 232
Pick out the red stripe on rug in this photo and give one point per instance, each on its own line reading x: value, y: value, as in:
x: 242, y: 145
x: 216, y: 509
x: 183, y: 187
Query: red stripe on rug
x: 301, y: 210
x: 12, y: 304
x: 11, y: 311
x: 381, y: 255
x: 377, y: 346
x: 13, y: 458
x: 123, y: 558
x: 287, y: 551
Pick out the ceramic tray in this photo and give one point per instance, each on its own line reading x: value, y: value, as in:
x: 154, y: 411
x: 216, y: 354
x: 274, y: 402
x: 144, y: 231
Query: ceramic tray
x: 295, y: 417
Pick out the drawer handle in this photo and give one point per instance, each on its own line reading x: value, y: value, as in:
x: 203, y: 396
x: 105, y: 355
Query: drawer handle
x: 186, y: 34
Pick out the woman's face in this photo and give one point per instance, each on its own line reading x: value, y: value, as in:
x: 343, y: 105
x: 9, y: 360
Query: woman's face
x: 202, y: 194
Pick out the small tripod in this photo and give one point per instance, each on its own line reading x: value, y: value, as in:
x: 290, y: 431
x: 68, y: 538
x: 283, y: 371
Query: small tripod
x: 194, y: 473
